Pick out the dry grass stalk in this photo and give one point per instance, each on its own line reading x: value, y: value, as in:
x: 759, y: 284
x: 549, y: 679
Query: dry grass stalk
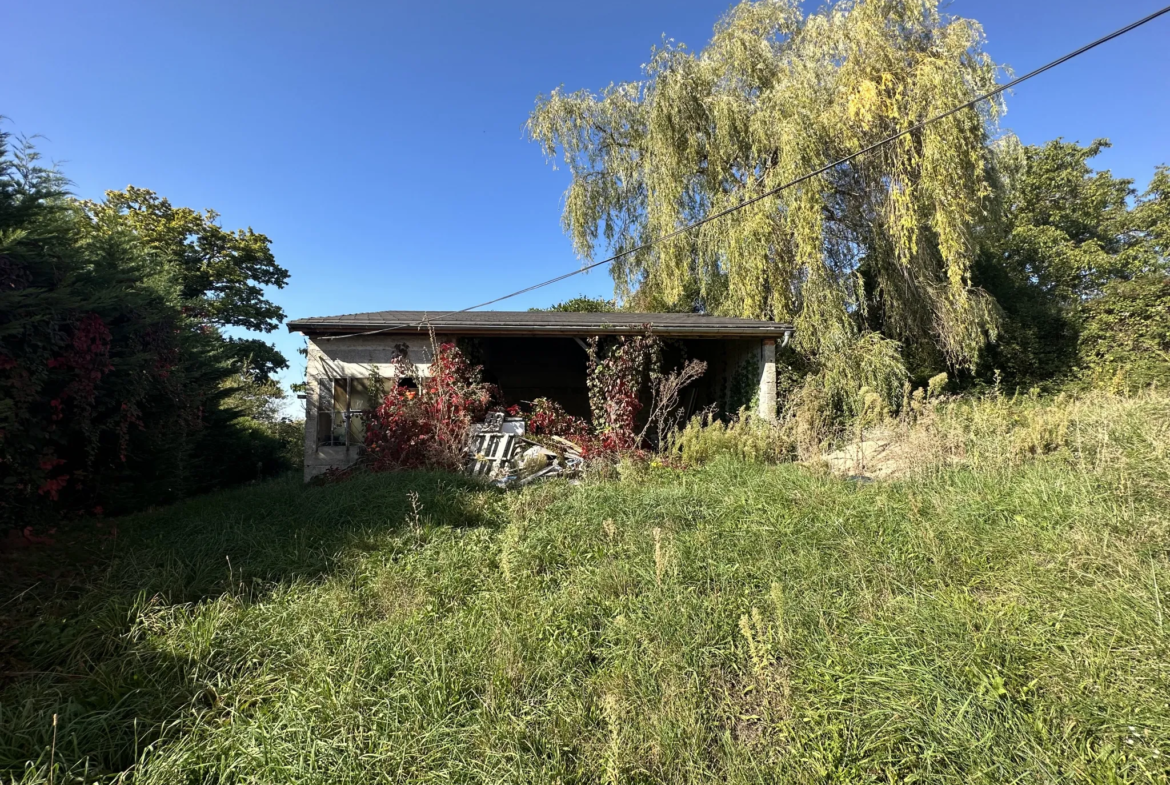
x: 665, y: 413
x: 660, y: 556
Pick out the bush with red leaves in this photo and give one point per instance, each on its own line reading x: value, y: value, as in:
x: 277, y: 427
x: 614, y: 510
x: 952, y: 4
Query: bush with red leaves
x: 427, y: 427
x: 549, y: 418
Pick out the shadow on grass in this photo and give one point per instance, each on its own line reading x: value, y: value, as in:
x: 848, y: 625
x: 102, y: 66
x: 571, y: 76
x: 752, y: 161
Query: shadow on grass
x: 77, y: 618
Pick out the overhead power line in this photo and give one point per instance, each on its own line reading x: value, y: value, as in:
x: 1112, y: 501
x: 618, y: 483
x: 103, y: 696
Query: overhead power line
x: 773, y: 191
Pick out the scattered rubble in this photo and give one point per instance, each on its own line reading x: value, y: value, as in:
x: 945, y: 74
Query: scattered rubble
x: 499, y: 453
x: 873, y: 458
x: 886, y: 454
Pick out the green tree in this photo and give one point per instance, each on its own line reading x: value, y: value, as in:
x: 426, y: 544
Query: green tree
x: 1059, y: 235
x: 112, y: 393
x: 1069, y: 229
x: 1125, y: 340
x: 583, y: 304
x: 216, y: 276
x: 774, y: 95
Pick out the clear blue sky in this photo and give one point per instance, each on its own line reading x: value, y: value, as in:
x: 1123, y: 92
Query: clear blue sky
x: 380, y: 144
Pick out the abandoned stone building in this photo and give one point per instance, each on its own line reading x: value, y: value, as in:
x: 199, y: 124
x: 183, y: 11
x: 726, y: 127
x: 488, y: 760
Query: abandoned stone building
x: 527, y: 354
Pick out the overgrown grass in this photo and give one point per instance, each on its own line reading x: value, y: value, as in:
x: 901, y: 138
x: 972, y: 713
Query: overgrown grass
x: 999, y: 620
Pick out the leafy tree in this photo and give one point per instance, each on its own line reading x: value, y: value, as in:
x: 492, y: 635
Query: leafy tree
x: 257, y: 399
x: 216, y: 276
x: 774, y: 95
x: 1151, y: 219
x: 1068, y: 229
x: 111, y: 392
x: 583, y: 304
x: 1060, y: 236
x: 1125, y: 343
x: 81, y: 346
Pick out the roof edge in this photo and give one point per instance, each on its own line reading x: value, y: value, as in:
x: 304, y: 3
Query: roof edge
x: 763, y: 329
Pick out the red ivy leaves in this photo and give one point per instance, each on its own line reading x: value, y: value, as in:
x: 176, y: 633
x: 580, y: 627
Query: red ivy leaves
x: 616, y: 378
x: 85, y: 359
x: 52, y: 486
x: 88, y: 356
x: 548, y: 418
x: 428, y: 427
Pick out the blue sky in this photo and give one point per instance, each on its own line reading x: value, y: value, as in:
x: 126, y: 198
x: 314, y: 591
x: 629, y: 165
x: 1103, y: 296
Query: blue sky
x: 381, y: 145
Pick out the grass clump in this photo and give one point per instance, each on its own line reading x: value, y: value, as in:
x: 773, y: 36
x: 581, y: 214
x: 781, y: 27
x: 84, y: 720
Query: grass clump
x: 992, y: 621
x: 744, y: 438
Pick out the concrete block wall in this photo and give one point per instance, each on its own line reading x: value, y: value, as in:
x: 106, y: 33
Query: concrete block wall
x: 355, y: 357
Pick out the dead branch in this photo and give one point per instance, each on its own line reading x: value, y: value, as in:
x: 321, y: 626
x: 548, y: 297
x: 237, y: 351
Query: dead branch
x: 664, y: 396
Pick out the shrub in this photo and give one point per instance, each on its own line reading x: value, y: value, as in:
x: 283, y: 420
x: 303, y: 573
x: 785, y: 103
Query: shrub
x: 549, y: 418
x: 745, y: 438
x: 428, y: 427
x: 859, y: 381
x: 1125, y: 343
x: 1091, y: 430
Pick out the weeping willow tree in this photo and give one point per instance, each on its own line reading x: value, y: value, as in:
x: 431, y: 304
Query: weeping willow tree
x: 883, y: 243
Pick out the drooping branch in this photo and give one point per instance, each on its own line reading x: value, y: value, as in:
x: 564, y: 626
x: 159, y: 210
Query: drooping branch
x: 773, y: 96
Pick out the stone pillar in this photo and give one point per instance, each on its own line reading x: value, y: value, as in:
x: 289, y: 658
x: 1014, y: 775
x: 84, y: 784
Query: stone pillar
x: 312, y: 400
x: 767, y: 395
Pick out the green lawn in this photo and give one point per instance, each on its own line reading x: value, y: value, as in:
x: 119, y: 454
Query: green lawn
x: 729, y: 623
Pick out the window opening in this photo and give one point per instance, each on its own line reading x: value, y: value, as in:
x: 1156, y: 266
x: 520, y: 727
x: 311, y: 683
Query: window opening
x: 342, y: 407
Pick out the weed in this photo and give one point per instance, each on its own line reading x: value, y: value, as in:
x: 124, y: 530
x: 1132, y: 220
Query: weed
x: 996, y: 616
x: 745, y: 437
x: 659, y: 557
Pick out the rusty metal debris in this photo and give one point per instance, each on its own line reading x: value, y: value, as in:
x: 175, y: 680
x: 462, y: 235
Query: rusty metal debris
x: 499, y: 453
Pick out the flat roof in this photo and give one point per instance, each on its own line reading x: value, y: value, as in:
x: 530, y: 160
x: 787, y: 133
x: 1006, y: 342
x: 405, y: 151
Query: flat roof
x: 683, y: 325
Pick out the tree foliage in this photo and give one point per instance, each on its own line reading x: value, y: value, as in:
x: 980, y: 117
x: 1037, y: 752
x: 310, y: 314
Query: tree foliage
x: 218, y: 275
x: 774, y: 95
x: 1059, y: 238
x: 1069, y: 229
x: 1125, y: 342
x: 112, y: 390
x: 215, y: 276
x: 582, y: 304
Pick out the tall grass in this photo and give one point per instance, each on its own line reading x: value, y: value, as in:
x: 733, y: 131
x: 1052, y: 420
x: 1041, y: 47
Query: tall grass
x: 1000, y: 619
x: 744, y: 438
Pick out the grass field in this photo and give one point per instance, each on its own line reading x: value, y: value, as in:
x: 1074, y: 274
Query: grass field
x: 1000, y: 617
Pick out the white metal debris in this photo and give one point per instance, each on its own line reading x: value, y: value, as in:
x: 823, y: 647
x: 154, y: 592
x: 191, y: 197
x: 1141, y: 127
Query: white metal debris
x: 499, y: 452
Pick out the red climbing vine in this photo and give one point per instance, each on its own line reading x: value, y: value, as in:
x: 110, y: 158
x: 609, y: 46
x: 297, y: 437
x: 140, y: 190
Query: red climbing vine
x: 619, y: 370
x: 86, y: 358
x: 427, y: 426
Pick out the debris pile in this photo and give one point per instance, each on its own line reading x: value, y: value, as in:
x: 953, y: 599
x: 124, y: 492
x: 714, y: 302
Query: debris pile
x: 499, y: 453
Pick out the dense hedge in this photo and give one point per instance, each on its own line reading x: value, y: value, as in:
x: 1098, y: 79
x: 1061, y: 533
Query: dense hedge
x: 112, y: 394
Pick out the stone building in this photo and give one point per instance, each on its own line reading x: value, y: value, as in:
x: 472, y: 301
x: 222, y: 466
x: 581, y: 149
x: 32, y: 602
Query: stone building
x: 527, y: 354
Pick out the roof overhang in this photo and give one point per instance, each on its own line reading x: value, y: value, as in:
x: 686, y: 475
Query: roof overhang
x: 538, y: 324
